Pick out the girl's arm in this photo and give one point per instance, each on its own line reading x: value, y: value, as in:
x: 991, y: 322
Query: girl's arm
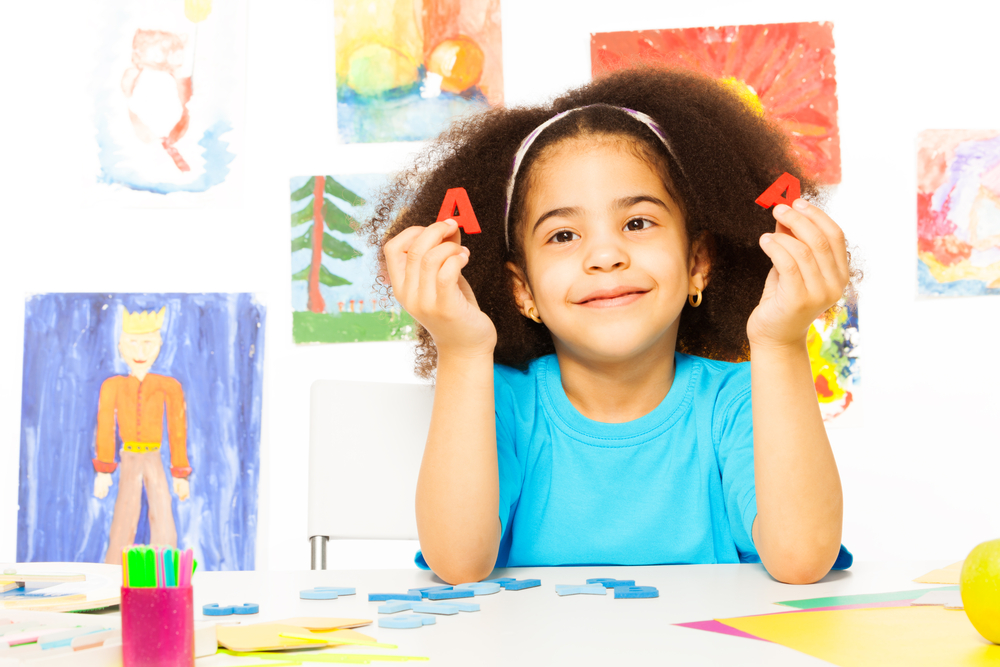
x: 799, y: 500
x: 457, y: 498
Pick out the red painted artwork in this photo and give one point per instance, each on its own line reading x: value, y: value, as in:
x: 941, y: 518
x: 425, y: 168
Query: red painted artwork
x: 788, y: 67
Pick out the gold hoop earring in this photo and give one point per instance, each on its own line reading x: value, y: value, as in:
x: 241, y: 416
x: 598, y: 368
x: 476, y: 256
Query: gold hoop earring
x: 533, y: 314
x: 695, y: 299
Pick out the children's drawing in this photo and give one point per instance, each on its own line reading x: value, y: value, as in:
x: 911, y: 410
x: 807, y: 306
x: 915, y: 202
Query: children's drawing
x: 832, y: 341
x: 169, y: 98
x: 124, y: 392
x: 958, y: 212
x: 333, y: 268
x: 785, y: 70
x: 406, y: 67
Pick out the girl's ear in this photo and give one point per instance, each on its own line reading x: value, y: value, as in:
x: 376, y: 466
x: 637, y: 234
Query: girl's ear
x: 700, y: 261
x: 522, y: 292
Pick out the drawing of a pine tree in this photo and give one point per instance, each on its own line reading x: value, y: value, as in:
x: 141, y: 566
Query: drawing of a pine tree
x: 324, y: 214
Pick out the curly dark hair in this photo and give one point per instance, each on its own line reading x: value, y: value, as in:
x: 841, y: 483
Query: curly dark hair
x: 726, y: 155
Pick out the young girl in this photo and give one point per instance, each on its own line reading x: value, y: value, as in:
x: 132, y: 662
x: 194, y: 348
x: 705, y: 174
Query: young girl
x: 587, y: 410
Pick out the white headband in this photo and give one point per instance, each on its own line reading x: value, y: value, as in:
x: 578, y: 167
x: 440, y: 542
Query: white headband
x: 530, y: 139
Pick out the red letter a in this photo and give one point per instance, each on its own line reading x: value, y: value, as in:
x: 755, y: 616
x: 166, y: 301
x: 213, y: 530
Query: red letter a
x: 458, y: 207
x: 773, y: 195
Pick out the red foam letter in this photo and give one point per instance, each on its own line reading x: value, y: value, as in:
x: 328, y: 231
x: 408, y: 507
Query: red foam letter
x: 773, y: 195
x: 457, y: 206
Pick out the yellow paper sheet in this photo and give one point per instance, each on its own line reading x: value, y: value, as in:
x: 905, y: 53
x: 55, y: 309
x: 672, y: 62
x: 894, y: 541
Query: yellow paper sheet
x: 911, y: 636
x: 266, y: 637
x: 324, y: 624
x: 946, y: 575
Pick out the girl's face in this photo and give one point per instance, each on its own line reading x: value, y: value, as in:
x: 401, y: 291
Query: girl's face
x: 608, y: 266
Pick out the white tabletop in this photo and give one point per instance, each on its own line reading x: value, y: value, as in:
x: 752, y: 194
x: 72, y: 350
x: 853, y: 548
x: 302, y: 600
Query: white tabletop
x: 537, y: 627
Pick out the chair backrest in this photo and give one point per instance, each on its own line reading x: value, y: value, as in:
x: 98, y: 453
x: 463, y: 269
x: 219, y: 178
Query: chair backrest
x: 366, y: 440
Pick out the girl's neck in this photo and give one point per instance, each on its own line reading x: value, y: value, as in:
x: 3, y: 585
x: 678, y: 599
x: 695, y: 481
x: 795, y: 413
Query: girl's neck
x: 615, y: 392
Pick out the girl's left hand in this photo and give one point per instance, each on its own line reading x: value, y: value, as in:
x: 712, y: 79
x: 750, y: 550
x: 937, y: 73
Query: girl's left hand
x: 809, y: 275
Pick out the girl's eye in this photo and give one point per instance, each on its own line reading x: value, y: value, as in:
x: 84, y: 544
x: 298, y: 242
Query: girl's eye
x: 563, y: 236
x: 638, y: 224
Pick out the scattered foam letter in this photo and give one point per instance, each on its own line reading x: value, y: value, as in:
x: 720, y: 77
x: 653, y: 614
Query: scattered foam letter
x: 786, y: 185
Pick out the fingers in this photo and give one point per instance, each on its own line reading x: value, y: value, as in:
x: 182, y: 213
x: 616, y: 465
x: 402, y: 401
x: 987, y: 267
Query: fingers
x: 404, y: 254
x: 821, y: 234
x: 424, y: 266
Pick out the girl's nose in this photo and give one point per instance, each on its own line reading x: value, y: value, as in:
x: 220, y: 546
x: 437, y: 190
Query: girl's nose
x: 606, y: 253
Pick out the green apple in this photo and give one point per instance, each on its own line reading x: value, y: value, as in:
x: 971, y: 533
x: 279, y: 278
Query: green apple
x: 980, y: 583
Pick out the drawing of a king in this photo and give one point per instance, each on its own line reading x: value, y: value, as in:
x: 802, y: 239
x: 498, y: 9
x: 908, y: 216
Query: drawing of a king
x: 136, y: 403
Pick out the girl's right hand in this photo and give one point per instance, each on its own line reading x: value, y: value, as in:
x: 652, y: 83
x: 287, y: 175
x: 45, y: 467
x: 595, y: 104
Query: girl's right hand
x: 425, y: 270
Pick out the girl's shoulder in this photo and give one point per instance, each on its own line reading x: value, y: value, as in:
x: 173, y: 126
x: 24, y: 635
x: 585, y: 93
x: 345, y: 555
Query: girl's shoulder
x: 722, y: 382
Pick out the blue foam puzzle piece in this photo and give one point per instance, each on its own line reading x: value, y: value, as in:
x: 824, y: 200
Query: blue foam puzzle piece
x: 431, y: 608
x: 501, y: 581
x: 612, y: 583
x: 383, y: 597
x: 450, y: 595
x: 588, y: 589
x: 479, y: 587
x: 337, y: 590
x: 316, y: 594
x: 636, y: 592
x: 393, y: 606
x: 521, y: 584
x: 246, y: 608
x: 406, y: 621
x: 423, y: 592
x: 215, y: 610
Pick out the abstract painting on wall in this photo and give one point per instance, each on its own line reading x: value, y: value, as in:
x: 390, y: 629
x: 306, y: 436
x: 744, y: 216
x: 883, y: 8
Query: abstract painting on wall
x: 169, y: 96
x: 334, y: 268
x: 832, y: 341
x: 958, y: 212
x: 140, y: 422
x: 784, y: 69
x: 406, y: 67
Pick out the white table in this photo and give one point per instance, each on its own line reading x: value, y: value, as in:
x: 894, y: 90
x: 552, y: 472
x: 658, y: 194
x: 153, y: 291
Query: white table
x: 537, y: 627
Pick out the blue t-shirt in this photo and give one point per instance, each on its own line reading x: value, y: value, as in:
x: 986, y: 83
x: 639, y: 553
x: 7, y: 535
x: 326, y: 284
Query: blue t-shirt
x: 674, y: 486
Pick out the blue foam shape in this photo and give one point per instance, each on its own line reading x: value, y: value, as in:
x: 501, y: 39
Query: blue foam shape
x: 431, y: 608
x: 383, y: 597
x: 450, y: 595
x: 521, y: 584
x: 423, y: 592
x: 479, y: 587
x: 246, y: 608
x: 215, y: 610
x: 393, y: 606
x: 316, y: 594
x: 465, y: 606
x: 406, y: 621
x: 501, y: 581
x: 624, y: 592
x: 588, y: 589
x: 612, y: 583
x: 337, y: 590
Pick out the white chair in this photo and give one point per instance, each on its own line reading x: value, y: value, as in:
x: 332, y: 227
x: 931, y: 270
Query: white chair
x: 366, y: 440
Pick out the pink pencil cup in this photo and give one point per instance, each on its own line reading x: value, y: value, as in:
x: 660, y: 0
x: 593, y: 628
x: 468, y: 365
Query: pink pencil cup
x: 158, y: 627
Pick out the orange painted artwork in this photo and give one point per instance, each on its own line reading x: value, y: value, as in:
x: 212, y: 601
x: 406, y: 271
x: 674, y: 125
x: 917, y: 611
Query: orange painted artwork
x: 136, y: 404
x: 784, y: 71
x: 832, y: 341
x: 405, y: 68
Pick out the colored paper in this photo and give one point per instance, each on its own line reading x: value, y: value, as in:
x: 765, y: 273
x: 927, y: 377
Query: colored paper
x: 784, y: 70
x: 268, y: 637
x: 946, y: 575
x: 958, y: 213
x: 904, y: 597
x: 344, y: 658
x: 406, y: 67
x: 912, y: 636
x: 337, y: 638
x: 105, y: 465
x: 334, y: 268
x: 321, y: 624
x: 949, y: 599
x: 717, y: 627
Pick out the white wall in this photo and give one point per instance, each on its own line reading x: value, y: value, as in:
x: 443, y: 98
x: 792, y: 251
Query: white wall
x: 919, y: 474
